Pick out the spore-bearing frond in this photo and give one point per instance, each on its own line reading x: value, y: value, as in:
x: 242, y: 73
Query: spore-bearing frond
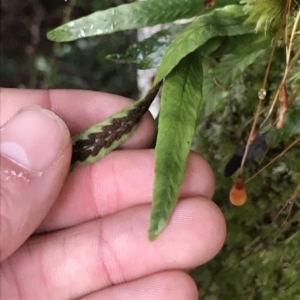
x: 114, y: 131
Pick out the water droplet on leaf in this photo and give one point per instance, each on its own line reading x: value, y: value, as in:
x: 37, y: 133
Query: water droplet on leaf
x: 262, y: 94
x: 82, y: 33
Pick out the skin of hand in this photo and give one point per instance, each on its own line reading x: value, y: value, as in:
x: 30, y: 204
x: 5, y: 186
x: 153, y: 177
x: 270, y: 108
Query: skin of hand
x: 83, y: 235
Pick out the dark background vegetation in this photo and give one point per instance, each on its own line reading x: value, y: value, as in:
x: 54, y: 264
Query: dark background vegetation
x: 29, y: 60
x: 261, y: 257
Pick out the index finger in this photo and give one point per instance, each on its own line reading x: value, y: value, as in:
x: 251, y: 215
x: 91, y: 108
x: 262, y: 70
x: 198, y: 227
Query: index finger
x: 119, y: 181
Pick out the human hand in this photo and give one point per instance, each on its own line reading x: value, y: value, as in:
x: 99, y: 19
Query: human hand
x: 84, y: 235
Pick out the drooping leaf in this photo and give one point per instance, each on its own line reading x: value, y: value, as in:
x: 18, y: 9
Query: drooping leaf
x: 149, y: 52
x: 134, y: 15
x: 181, y: 99
x: 226, y: 21
x: 100, y: 139
x: 138, y: 14
x: 244, y: 50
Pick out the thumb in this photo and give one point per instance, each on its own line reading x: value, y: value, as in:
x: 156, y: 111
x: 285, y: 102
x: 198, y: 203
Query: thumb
x: 35, y: 149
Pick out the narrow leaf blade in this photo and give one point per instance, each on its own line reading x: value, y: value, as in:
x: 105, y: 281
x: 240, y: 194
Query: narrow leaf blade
x: 135, y: 15
x: 181, y: 99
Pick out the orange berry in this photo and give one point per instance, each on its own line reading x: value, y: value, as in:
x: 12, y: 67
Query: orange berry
x: 238, y: 194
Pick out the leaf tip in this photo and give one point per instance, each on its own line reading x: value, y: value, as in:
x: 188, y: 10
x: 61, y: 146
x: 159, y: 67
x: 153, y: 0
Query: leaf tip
x: 60, y: 34
x: 156, y: 227
x: 152, y: 236
x: 50, y: 36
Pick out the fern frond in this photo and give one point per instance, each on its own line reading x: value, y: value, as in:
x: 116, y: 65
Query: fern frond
x: 265, y: 14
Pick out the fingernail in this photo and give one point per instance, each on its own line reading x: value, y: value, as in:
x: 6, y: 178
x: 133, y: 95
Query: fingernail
x: 34, y: 138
